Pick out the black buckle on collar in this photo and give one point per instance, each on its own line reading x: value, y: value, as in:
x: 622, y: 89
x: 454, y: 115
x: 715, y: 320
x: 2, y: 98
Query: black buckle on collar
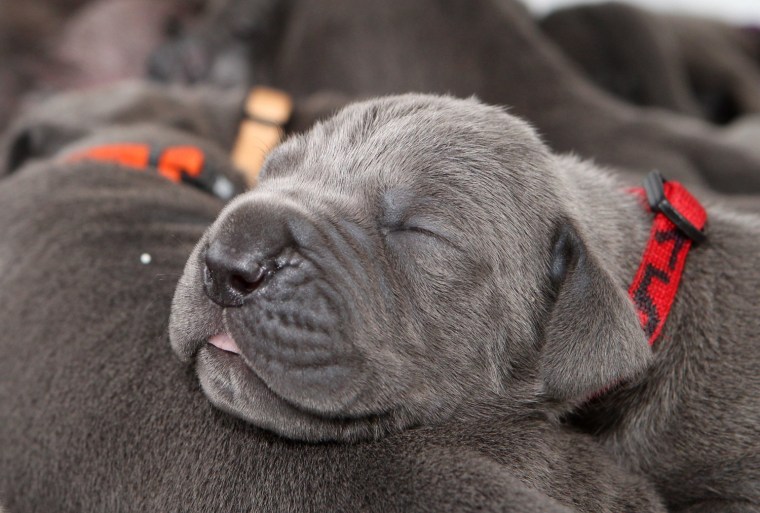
x: 659, y: 203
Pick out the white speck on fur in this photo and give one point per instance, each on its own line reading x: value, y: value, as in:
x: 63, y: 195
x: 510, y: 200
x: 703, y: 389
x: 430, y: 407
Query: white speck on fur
x: 145, y: 258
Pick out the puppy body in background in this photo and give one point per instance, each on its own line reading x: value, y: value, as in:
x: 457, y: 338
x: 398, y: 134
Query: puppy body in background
x: 489, y: 48
x: 699, y: 67
x: 415, y: 257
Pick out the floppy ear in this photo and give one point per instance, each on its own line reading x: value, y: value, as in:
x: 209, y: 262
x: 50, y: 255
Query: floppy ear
x: 27, y: 142
x: 592, y: 338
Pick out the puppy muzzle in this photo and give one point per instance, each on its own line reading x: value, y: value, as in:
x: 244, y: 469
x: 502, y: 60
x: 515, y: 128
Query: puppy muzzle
x: 283, y: 305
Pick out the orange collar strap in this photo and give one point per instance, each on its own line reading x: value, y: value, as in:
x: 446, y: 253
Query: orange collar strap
x: 179, y: 164
x: 266, y: 113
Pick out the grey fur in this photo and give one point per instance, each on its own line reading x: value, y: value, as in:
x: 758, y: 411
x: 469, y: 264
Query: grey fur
x: 746, y: 131
x: 490, y: 48
x: 98, y: 415
x: 696, y: 66
x: 436, y: 256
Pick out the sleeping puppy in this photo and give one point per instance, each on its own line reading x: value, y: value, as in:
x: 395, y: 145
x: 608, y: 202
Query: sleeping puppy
x: 98, y: 415
x: 416, y: 256
x: 691, y: 65
x: 490, y: 48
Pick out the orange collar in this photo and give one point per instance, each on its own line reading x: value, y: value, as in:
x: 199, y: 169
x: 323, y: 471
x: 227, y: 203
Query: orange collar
x: 179, y: 164
x: 266, y: 113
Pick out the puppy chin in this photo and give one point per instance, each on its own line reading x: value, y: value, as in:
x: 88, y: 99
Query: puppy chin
x: 230, y: 384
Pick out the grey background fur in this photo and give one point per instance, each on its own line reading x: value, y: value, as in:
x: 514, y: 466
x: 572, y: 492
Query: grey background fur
x: 490, y: 48
x: 695, y: 66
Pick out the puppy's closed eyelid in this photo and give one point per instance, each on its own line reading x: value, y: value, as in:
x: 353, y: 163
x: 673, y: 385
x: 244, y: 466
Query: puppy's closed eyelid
x: 403, y: 211
x: 416, y: 229
x: 412, y: 228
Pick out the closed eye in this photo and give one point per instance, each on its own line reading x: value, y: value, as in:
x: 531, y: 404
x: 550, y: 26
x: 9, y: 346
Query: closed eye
x: 421, y: 231
x: 417, y: 229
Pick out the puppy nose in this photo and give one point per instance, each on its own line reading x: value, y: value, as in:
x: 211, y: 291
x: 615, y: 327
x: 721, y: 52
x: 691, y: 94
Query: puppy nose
x: 244, y: 254
x: 229, y: 280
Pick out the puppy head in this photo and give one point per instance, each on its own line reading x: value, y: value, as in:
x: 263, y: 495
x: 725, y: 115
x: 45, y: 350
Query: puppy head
x: 399, y: 262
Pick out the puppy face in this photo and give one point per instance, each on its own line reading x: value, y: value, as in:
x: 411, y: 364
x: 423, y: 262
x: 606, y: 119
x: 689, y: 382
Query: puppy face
x: 395, y: 264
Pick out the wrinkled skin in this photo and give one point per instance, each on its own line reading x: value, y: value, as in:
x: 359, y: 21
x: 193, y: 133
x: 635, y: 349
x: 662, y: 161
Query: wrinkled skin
x: 416, y: 255
x: 402, y: 285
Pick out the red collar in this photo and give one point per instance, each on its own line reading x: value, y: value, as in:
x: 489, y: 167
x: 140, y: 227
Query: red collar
x: 678, y: 223
x: 179, y: 164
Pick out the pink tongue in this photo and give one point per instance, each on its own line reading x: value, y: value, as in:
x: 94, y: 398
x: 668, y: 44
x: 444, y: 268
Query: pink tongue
x: 225, y: 343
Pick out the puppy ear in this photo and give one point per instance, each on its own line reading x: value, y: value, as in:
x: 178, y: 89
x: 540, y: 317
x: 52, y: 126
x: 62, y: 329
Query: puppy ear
x: 592, y: 338
x: 35, y: 141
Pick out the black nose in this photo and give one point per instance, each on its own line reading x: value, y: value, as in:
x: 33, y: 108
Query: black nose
x: 244, y: 255
x: 228, y: 280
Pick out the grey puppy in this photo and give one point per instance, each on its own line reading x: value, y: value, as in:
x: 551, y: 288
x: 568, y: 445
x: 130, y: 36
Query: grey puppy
x: 417, y: 255
x: 490, y: 48
x: 98, y: 415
